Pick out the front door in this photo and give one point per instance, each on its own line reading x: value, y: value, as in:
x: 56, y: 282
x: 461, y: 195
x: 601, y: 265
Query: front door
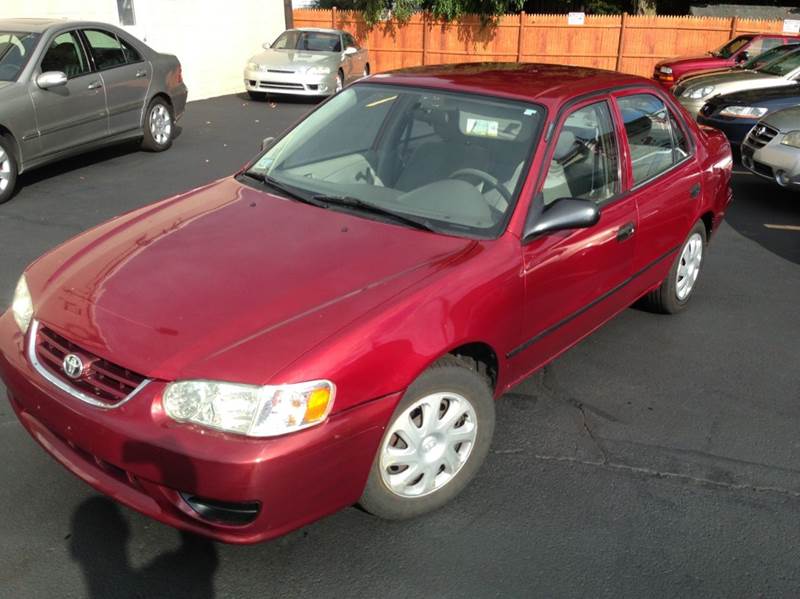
x: 73, y: 114
x: 126, y: 77
x: 576, y: 279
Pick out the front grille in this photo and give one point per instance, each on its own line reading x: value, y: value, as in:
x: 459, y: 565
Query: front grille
x: 762, y: 169
x: 279, y: 85
x: 760, y: 135
x: 102, y: 380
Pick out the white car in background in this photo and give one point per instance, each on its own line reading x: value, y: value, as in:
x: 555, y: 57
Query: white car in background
x: 772, y: 148
x: 306, y: 62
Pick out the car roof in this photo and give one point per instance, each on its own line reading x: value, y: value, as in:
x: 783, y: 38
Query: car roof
x: 29, y: 25
x: 317, y: 29
x: 531, y: 81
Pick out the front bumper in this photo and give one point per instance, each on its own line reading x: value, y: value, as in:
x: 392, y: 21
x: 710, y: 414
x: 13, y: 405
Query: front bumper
x: 138, y: 456
x: 291, y: 83
x: 774, y: 161
x: 734, y: 129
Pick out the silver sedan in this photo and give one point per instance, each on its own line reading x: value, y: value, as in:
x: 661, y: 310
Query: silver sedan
x: 68, y: 87
x: 306, y: 62
x: 772, y: 148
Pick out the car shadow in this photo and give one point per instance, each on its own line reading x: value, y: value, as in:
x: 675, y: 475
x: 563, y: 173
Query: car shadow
x: 282, y: 99
x: 100, y: 538
x: 66, y: 165
x: 766, y: 213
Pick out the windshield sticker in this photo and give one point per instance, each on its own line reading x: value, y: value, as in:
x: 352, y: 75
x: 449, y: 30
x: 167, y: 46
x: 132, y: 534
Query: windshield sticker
x: 379, y: 102
x: 482, y: 127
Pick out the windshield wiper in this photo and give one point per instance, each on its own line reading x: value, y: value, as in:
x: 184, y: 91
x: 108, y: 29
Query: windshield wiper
x: 286, y: 190
x: 351, y: 202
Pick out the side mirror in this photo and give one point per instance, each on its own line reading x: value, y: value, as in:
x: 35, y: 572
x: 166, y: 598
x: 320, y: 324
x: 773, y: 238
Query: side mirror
x: 267, y: 143
x: 564, y: 213
x: 743, y: 55
x: 51, y: 79
x: 350, y: 50
x: 266, y: 45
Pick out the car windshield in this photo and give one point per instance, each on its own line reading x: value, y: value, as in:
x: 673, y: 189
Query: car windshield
x: 452, y: 161
x: 767, y: 57
x: 310, y: 41
x: 15, y: 50
x: 730, y: 48
x: 782, y: 66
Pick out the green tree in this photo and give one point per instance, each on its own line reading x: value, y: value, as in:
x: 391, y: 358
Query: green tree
x: 443, y: 9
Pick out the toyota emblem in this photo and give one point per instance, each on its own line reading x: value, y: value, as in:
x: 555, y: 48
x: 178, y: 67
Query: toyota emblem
x: 72, y: 366
x: 760, y: 130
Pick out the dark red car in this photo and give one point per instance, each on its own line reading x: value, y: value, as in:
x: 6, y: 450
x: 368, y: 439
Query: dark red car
x: 732, y: 52
x: 333, y: 324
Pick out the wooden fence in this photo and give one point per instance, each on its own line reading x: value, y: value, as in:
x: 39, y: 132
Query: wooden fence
x: 632, y: 44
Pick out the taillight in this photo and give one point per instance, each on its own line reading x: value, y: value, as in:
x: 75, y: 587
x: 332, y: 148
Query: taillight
x: 180, y: 74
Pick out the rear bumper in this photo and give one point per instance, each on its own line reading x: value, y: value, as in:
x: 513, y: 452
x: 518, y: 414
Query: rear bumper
x: 138, y: 456
x: 179, y: 97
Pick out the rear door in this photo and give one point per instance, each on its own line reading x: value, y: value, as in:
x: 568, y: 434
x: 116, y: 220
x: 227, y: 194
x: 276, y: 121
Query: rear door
x: 73, y: 114
x: 576, y: 279
x: 664, y: 180
x: 125, y: 75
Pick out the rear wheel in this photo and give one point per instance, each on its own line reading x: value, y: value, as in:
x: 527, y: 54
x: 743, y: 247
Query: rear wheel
x: 674, y: 293
x: 159, y: 126
x: 8, y: 170
x: 435, y: 443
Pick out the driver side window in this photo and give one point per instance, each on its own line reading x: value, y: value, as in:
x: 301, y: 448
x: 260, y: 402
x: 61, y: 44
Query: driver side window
x: 65, y: 54
x: 585, y: 163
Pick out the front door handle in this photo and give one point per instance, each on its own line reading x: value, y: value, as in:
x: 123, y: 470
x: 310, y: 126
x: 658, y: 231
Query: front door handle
x: 141, y: 73
x: 626, y: 231
x: 695, y: 191
x: 94, y: 85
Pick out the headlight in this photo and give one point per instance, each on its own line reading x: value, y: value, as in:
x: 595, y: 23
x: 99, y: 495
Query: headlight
x: 744, y: 112
x: 250, y: 410
x: 254, y: 66
x: 791, y: 139
x: 22, y: 306
x: 698, y: 92
x: 318, y: 71
x: 665, y: 70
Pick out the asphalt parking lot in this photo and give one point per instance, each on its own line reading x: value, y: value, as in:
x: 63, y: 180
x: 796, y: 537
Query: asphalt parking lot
x: 659, y: 458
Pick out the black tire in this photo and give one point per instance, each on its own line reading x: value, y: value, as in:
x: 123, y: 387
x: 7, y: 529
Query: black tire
x: 665, y: 299
x: 7, y: 160
x: 256, y: 96
x: 451, y: 374
x: 150, y: 143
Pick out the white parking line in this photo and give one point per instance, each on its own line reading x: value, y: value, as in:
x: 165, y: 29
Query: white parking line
x: 783, y: 227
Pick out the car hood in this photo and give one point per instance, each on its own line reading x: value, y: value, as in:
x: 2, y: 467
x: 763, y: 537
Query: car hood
x: 784, y: 120
x: 695, y: 61
x: 226, y: 282
x: 789, y: 94
x: 731, y: 82
x: 295, y: 59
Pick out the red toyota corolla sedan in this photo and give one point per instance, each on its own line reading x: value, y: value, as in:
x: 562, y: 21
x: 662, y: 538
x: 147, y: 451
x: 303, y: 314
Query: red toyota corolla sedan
x: 331, y: 325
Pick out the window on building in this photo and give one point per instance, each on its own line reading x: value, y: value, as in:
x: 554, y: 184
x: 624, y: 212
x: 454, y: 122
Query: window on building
x: 126, y: 14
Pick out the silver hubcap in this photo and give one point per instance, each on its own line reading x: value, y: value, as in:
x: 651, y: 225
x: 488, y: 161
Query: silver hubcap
x: 160, y: 124
x: 428, y: 444
x: 5, y: 170
x: 339, y: 83
x: 689, y: 266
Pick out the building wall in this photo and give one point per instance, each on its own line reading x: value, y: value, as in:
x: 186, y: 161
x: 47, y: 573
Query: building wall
x: 212, y: 38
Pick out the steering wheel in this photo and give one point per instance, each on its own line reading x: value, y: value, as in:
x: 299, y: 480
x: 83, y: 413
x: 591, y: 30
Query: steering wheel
x: 484, y: 177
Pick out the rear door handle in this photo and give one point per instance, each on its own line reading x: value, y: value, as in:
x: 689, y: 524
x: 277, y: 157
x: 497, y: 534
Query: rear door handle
x: 625, y: 231
x: 695, y: 191
x: 95, y: 85
x: 141, y: 73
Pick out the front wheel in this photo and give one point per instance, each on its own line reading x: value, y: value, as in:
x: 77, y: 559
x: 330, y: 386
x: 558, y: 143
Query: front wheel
x: 437, y: 439
x: 159, y: 126
x: 339, y: 82
x: 8, y: 170
x: 674, y: 293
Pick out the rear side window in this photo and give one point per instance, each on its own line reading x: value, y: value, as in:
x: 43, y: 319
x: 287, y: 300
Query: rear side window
x: 655, y: 140
x: 65, y: 54
x: 105, y: 48
x: 131, y: 54
x: 585, y: 162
